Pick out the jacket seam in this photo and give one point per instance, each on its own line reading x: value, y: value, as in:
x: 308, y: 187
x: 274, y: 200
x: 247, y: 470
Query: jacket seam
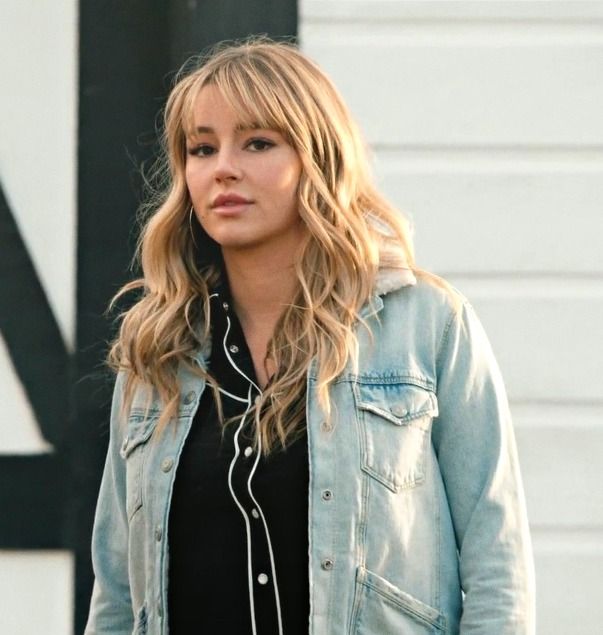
x: 444, y: 340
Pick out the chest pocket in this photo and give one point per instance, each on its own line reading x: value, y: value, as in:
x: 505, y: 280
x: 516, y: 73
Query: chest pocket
x: 134, y: 451
x: 395, y: 423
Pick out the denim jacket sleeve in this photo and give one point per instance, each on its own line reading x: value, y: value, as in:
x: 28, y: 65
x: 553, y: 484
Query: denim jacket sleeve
x: 111, y: 607
x: 474, y: 441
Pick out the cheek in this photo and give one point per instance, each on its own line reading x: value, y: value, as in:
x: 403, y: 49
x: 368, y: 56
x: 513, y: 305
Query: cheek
x: 286, y: 181
x: 193, y: 177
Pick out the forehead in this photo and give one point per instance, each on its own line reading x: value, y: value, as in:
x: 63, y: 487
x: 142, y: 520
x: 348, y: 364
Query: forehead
x: 209, y: 106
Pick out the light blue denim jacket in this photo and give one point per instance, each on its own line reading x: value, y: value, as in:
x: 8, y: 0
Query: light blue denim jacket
x: 424, y: 529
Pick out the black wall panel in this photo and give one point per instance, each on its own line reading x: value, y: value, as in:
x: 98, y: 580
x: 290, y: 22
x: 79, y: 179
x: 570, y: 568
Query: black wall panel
x: 128, y: 53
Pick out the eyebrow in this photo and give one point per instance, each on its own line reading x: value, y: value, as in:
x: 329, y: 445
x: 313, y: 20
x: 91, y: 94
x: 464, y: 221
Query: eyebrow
x: 239, y: 128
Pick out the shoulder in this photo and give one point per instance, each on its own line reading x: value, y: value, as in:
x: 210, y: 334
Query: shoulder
x: 431, y: 325
x: 430, y: 300
x: 408, y: 327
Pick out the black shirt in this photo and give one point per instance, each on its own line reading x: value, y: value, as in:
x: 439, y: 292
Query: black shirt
x: 238, y: 528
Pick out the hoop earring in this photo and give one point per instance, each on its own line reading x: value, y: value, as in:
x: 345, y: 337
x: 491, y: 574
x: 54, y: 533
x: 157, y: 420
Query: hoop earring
x: 190, y: 226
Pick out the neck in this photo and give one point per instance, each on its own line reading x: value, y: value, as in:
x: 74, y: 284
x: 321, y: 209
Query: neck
x: 260, y: 287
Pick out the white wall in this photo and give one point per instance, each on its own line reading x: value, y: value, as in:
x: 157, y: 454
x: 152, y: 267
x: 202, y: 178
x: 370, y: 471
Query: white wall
x: 38, y: 128
x: 35, y: 593
x: 486, y: 119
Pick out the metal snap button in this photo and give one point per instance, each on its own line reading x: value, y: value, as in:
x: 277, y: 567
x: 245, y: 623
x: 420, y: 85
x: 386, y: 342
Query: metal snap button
x: 189, y: 397
x: 263, y: 578
x: 167, y: 464
x: 248, y: 451
x: 327, y: 495
x: 400, y: 411
x: 255, y: 513
x: 326, y: 426
x: 233, y: 348
x: 327, y: 564
x: 225, y: 306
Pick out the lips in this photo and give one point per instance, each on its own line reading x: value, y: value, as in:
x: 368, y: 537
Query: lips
x: 229, y: 200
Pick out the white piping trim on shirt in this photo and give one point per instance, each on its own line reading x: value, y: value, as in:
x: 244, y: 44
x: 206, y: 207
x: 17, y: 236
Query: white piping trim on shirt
x: 245, y: 516
x: 242, y: 509
x: 272, y: 563
x: 229, y: 394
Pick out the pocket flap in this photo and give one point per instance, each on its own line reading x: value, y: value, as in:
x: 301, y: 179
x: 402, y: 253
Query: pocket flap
x: 398, y: 403
x: 140, y: 428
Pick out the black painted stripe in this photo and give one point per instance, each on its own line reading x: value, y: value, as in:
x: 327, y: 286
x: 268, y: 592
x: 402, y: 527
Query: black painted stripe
x: 33, y: 501
x: 31, y: 332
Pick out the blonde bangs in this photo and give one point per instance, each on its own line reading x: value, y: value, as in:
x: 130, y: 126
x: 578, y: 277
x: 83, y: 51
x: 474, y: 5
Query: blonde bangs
x: 254, y: 100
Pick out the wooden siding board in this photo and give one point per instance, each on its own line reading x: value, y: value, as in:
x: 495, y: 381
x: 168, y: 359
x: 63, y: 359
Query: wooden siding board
x: 569, y: 583
x: 434, y: 10
x: 561, y: 470
x: 549, y: 348
x: 533, y: 219
x: 475, y: 96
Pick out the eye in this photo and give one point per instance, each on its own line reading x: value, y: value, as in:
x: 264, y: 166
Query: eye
x: 202, y: 150
x: 259, y: 145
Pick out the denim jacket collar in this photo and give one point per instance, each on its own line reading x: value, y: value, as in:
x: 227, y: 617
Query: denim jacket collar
x: 387, y: 280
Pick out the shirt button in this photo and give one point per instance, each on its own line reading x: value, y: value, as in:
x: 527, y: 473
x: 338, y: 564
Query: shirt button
x: 167, y: 464
x: 326, y: 426
x: 233, y: 348
x: 158, y: 533
x: 327, y: 494
x: 327, y: 564
x: 255, y: 513
x: 189, y: 397
x: 263, y: 578
x: 248, y: 451
x: 225, y: 306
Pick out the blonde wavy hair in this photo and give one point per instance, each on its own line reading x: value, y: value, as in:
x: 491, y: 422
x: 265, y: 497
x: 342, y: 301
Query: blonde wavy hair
x: 352, y: 231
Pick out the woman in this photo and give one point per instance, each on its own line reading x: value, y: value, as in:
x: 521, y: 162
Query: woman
x: 308, y: 434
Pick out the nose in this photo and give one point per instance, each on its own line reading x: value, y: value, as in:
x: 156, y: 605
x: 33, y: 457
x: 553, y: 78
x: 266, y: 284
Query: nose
x: 227, y: 166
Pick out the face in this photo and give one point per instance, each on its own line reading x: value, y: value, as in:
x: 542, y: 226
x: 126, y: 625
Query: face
x: 242, y: 181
